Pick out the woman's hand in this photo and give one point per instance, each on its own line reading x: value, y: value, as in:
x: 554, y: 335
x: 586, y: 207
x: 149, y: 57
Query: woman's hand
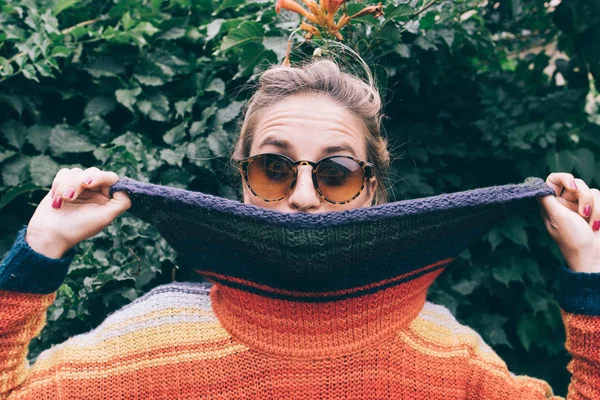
x: 77, y: 207
x: 573, y: 220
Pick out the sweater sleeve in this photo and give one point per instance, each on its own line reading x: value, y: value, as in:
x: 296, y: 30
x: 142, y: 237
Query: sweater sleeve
x: 579, y: 300
x: 28, y: 284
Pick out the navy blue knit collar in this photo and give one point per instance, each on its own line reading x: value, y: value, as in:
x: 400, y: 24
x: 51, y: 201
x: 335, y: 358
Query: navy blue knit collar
x: 325, y: 256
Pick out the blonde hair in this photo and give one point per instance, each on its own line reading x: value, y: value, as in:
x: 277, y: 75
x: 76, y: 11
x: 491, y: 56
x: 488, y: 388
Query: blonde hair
x: 324, y: 76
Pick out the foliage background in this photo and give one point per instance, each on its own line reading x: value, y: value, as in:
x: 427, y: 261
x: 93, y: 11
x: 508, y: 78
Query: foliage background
x: 477, y: 93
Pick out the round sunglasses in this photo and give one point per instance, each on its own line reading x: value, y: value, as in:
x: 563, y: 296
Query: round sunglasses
x: 337, y: 179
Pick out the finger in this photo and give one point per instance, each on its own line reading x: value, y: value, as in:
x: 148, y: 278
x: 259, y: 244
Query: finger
x: 99, y: 181
x: 70, y: 186
x: 560, y: 180
x: 59, y: 177
x: 585, y: 198
x: 595, y: 215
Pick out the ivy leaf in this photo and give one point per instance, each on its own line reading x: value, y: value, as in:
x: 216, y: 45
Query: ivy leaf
x: 6, y: 154
x: 98, y: 106
x: 65, y: 139
x: 585, y: 164
x: 176, y: 134
x: 15, y: 171
x: 247, y: 32
x: 62, y: 5
x: 17, y: 191
x: 42, y: 170
x: 198, y: 127
x: 105, y: 66
x: 229, y: 113
x: 14, y: 133
x: 198, y: 152
x: 218, y: 142
x: 172, y: 157
x: 155, y: 107
x: 491, y: 329
x: 184, y: 107
x: 127, y: 97
x: 216, y: 85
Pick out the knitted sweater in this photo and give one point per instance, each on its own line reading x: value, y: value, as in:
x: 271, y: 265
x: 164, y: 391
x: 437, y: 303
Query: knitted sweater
x: 369, y: 335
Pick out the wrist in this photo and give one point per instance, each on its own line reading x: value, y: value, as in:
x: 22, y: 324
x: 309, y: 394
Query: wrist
x: 43, y: 245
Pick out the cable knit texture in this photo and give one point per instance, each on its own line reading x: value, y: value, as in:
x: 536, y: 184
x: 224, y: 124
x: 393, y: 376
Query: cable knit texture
x: 295, y: 331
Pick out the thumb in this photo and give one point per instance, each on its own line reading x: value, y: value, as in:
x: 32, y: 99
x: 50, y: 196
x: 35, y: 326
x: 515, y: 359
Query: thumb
x: 119, y: 203
x: 556, y: 207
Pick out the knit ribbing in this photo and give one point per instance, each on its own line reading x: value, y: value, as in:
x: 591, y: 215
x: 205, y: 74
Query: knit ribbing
x: 286, y: 255
x: 25, y: 270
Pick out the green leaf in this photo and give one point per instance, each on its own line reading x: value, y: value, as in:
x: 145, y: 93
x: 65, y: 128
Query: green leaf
x: 146, y: 28
x: 105, y: 66
x: 585, y: 164
x: 15, y: 171
x: 61, y: 5
x: 127, y: 97
x: 99, y: 105
x: 465, y: 286
x: 42, y: 170
x: 199, y: 153
x: 229, y: 113
x: 17, y: 191
x: 400, y: 12
x: 216, y: 85
x: 172, y: 157
x: 65, y: 139
x: 225, y: 4
x: 247, y: 32
x: 184, y: 107
x: 198, y: 127
x: 6, y: 154
x: 508, y: 273
x: 127, y: 21
x: 218, y: 142
x: 176, y: 134
x: 155, y: 107
x: 14, y: 133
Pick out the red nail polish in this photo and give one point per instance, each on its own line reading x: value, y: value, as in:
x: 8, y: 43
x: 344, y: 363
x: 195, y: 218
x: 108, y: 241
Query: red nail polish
x: 587, y: 210
x: 57, y: 202
x: 573, y: 185
x: 69, y: 193
x: 87, y: 181
x: 596, y: 225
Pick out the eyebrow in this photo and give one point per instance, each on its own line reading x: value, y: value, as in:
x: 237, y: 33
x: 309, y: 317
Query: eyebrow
x: 285, y: 145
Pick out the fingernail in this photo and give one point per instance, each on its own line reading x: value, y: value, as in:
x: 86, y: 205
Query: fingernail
x: 57, y: 202
x: 87, y: 181
x: 596, y: 225
x: 587, y: 210
x: 573, y: 185
x: 69, y: 193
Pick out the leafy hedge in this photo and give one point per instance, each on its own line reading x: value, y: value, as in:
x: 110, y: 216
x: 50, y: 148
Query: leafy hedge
x: 477, y: 93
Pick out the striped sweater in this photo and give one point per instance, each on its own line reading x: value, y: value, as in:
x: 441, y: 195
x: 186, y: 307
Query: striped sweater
x: 190, y: 341
x: 244, y: 339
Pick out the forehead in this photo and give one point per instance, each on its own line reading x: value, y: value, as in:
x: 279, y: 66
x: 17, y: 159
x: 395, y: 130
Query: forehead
x: 309, y: 123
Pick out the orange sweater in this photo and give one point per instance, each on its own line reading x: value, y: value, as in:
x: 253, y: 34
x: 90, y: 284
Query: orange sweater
x: 182, y: 341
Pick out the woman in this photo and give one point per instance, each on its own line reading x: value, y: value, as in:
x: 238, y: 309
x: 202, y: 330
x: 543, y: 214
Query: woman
x: 300, y: 120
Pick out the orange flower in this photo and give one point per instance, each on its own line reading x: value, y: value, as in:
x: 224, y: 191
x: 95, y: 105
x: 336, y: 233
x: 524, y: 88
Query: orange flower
x: 295, y: 7
x: 334, y: 5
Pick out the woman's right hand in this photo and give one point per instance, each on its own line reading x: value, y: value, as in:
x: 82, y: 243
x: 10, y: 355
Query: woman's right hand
x: 76, y: 208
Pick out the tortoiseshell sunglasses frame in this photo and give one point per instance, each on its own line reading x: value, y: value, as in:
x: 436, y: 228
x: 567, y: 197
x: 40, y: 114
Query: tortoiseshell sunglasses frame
x: 367, y: 167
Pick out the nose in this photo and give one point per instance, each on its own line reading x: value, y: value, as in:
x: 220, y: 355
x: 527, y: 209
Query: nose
x: 304, y: 196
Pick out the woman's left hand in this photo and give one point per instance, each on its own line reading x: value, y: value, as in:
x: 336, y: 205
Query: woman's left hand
x: 573, y: 221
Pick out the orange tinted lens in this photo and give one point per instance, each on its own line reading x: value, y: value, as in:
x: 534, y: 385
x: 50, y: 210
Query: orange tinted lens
x: 270, y: 176
x: 340, y: 178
